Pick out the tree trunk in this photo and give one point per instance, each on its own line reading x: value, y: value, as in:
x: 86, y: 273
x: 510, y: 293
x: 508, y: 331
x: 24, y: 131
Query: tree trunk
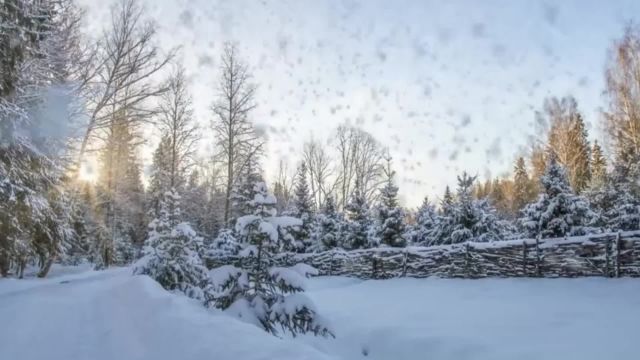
x: 44, y: 270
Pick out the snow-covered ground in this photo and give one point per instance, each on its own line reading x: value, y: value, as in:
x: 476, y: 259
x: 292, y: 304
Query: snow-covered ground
x: 112, y: 315
x: 493, y: 319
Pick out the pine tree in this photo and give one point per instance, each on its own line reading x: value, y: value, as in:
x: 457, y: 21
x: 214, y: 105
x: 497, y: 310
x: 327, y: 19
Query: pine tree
x: 265, y: 295
x: 243, y: 191
x: 38, y: 60
x: 598, y: 166
x: 558, y: 211
x: 522, y: 187
x: 426, y: 219
x: 171, y: 254
x: 303, y: 207
x: 328, y: 230
x: 390, y: 215
x: 359, y: 223
x: 465, y: 218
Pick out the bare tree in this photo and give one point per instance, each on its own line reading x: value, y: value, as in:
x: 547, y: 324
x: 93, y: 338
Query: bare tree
x: 567, y: 138
x: 360, y: 162
x: 178, y: 126
x: 319, y: 165
x: 123, y: 70
x: 236, y: 136
x: 622, y: 119
x: 283, y: 187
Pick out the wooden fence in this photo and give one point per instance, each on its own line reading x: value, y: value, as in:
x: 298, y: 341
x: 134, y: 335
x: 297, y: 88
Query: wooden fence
x: 609, y: 255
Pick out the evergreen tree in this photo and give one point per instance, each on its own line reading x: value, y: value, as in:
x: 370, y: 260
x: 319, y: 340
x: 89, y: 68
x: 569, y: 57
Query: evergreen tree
x: 303, y: 207
x: 171, y: 255
x: 465, y: 218
x: 38, y: 60
x: 390, y: 215
x: 522, y: 187
x: 598, y: 166
x: 558, y: 211
x: 265, y: 295
x: 328, y: 229
x: 426, y: 219
x: 243, y: 191
x: 359, y: 223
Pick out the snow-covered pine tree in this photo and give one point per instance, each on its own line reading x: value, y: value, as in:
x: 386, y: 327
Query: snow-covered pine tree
x: 357, y: 210
x: 328, y: 229
x: 558, y: 211
x: 303, y: 208
x: 618, y: 200
x: 390, y: 215
x: 38, y: 59
x: 171, y: 255
x: 425, y: 222
x: 465, y: 218
x: 264, y: 295
x: 473, y: 219
x: 243, y: 190
x: 223, y: 246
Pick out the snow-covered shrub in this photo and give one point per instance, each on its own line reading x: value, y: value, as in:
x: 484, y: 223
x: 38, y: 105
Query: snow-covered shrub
x: 259, y: 293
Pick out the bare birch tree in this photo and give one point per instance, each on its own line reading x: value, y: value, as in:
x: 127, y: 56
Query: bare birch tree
x: 124, y: 69
x: 234, y: 132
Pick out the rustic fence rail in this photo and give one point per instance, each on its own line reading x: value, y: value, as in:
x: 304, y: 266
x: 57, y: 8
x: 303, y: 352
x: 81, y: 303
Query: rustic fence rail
x: 608, y: 255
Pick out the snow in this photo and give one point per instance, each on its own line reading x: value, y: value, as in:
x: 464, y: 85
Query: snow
x: 493, y: 319
x: 108, y: 315
x: 100, y: 315
x: 288, y: 276
x: 221, y: 274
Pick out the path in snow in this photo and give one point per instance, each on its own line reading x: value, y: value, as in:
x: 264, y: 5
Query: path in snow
x: 493, y: 319
x: 112, y: 315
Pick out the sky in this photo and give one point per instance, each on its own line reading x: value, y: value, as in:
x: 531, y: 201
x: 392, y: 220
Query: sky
x: 447, y: 86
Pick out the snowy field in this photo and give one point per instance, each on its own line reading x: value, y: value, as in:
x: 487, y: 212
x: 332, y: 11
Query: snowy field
x: 80, y: 314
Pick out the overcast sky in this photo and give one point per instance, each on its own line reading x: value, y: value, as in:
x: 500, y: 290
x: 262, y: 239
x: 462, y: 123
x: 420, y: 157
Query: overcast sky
x: 447, y: 86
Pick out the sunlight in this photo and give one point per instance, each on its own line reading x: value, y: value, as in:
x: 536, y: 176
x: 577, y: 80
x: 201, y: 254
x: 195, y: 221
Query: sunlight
x: 87, y: 173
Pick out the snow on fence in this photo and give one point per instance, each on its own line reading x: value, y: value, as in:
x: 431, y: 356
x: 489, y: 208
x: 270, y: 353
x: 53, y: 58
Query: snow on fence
x: 609, y: 255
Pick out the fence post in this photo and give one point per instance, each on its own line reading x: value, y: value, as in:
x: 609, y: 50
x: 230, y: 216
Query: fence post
x: 607, y: 256
x: 331, y: 263
x: 538, y: 268
x: 467, y: 260
x: 404, y: 264
x: 524, y: 258
x: 618, y: 246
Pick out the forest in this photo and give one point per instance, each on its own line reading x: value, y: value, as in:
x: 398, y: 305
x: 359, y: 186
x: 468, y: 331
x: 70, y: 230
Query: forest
x: 75, y: 111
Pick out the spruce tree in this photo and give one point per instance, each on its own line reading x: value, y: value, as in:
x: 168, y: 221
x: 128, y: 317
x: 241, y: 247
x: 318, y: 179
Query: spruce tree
x: 558, y: 211
x: 390, y: 215
x: 522, y: 186
x: 303, y: 207
x: 171, y: 255
x: 426, y: 219
x: 598, y: 166
x: 357, y: 211
x: 268, y: 296
x: 328, y: 229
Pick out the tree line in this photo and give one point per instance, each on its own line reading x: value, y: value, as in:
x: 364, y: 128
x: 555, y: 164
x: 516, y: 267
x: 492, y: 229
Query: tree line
x: 343, y: 192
